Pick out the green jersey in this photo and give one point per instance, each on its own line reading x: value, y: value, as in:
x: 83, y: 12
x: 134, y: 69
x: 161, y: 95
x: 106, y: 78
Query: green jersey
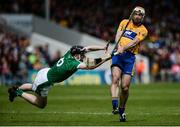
x: 63, y: 69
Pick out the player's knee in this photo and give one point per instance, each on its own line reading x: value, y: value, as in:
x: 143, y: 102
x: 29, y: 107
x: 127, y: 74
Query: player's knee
x: 115, y: 83
x: 125, y: 89
x: 42, y: 103
x: 115, y: 80
x: 42, y: 106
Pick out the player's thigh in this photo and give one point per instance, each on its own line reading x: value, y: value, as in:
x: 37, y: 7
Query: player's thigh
x: 26, y: 86
x: 126, y: 81
x: 116, y: 73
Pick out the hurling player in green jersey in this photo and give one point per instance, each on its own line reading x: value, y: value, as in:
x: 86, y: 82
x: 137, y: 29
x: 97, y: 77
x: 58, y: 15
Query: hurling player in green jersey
x: 73, y: 60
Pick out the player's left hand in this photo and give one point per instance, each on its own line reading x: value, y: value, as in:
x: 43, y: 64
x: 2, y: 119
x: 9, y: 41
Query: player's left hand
x: 84, y: 49
x: 120, y: 49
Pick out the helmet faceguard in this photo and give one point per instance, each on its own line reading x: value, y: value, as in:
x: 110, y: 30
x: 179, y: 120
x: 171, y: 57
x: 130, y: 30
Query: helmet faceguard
x: 78, y: 52
x: 138, y: 11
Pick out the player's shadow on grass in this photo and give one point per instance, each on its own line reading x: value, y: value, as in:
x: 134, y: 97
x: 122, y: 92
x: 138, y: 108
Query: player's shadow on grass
x: 130, y: 121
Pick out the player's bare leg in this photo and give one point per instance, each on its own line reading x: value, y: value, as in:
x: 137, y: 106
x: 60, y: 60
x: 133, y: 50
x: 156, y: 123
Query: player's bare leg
x: 35, y: 99
x: 26, y: 86
x: 126, y: 79
x: 116, y: 74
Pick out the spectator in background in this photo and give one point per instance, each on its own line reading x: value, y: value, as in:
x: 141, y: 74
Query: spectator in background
x: 32, y: 58
x: 175, y: 69
x: 140, y: 67
x: 16, y: 61
x: 165, y: 65
x: 55, y: 57
x: 46, y: 54
x: 23, y: 69
x: 155, y: 71
x: 37, y: 65
x: 6, y: 74
x: 176, y: 72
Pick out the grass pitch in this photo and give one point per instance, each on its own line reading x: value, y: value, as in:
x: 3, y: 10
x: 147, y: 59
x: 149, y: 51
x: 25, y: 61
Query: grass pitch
x: 157, y: 104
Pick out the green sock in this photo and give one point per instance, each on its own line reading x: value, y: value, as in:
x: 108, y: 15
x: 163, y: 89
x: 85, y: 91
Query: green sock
x: 19, y: 92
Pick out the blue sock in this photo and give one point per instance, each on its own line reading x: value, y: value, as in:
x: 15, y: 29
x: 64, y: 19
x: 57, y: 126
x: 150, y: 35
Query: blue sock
x: 115, y: 104
x: 121, y: 110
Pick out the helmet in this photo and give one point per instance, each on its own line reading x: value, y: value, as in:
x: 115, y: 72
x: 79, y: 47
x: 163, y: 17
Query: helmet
x: 140, y: 10
x: 77, y: 50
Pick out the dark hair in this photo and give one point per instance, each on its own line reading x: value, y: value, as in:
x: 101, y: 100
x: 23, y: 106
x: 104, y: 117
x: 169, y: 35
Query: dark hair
x: 77, y: 49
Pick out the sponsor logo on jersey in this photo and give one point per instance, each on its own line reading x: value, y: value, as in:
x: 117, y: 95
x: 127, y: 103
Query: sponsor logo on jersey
x: 129, y: 34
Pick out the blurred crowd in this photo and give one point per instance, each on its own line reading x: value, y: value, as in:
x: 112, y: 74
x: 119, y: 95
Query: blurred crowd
x: 22, y: 6
x: 101, y: 19
x: 18, y: 58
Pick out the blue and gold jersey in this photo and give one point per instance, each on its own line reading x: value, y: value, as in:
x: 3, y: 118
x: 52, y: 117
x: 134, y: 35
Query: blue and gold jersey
x: 130, y: 33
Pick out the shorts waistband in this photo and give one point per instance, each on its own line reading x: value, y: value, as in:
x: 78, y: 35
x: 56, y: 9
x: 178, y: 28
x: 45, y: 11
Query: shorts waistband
x: 129, y: 52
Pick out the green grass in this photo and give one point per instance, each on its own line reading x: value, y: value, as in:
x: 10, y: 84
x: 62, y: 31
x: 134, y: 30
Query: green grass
x: 91, y: 105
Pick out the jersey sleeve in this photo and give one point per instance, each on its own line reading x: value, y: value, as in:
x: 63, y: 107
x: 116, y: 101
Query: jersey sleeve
x: 122, y: 24
x: 76, y: 64
x: 143, y: 34
x: 81, y: 64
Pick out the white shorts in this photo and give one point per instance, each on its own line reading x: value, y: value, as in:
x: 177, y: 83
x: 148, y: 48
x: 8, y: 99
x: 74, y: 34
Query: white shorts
x: 41, y: 85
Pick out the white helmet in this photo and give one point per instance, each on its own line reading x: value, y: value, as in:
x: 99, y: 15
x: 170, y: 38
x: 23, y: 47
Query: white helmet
x: 140, y: 10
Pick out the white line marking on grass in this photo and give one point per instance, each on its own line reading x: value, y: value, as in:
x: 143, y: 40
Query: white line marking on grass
x: 82, y: 113
x: 88, y: 113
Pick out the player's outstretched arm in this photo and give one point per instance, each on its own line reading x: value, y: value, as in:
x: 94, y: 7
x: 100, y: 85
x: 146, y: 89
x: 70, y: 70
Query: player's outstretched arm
x: 92, y: 64
x: 96, y: 47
